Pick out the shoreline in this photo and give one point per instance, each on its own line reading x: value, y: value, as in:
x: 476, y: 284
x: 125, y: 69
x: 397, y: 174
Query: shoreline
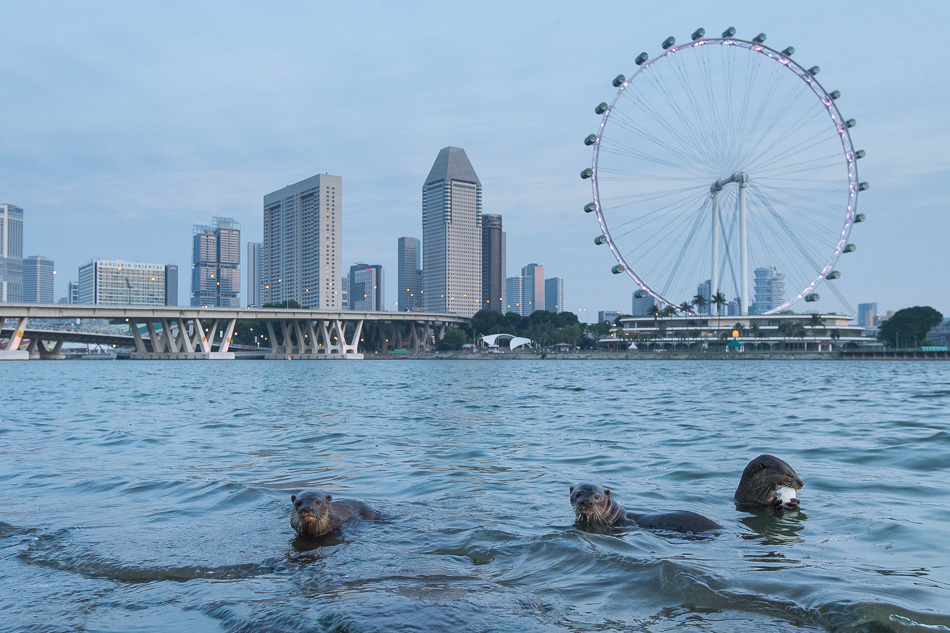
x: 655, y: 356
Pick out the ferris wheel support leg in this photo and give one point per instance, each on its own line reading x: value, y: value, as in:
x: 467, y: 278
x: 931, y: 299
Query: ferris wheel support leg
x: 714, y: 279
x: 744, y: 245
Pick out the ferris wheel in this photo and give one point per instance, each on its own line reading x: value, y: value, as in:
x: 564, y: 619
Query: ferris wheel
x: 721, y: 161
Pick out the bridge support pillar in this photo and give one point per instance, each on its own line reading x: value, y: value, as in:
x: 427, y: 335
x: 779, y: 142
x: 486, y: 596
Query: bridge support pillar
x: 13, y: 351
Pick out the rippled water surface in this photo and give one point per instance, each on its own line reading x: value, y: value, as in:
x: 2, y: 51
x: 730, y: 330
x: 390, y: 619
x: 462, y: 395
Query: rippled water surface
x: 146, y: 496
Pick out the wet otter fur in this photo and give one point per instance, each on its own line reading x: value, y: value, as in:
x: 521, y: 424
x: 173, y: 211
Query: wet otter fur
x: 596, y: 509
x: 769, y: 481
x: 315, y: 513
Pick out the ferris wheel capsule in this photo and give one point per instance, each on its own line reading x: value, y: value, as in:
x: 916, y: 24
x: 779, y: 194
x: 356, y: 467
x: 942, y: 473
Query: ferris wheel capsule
x: 639, y: 294
x: 833, y: 274
x: 617, y: 269
x: 812, y: 297
x: 698, y: 33
x: 590, y: 140
x: 587, y: 173
x: 814, y: 70
x: 589, y: 207
x: 835, y: 95
x: 758, y: 39
x: 601, y: 107
x: 668, y: 42
x: 729, y: 32
x: 859, y: 154
x: 789, y: 51
x: 849, y: 248
x: 618, y: 81
x: 642, y: 57
x: 863, y: 186
x: 860, y: 217
x: 600, y: 239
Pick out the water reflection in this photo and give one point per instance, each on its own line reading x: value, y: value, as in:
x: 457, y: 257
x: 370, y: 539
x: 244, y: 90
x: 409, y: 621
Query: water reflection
x: 774, y: 527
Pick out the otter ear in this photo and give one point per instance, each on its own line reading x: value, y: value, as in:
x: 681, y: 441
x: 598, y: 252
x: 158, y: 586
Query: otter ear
x: 572, y: 489
x: 606, y: 492
x: 763, y: 466
x: 329, y: 497
x: 293, y: 498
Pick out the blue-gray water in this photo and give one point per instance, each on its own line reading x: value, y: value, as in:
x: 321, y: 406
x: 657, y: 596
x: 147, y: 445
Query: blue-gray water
x: 148, y: 496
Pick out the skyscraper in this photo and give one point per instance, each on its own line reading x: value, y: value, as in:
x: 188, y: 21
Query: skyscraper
x: 493, y: 263
x: 216, y: 256
x: 410, y: 275
x: 367, y: 288
x: 554, y: 294
x: 11, y: 254
x: 641, y: 305
x: 769, y: 289
x: 303, y: 236
x: 171, y: 284
x: 533, y: 288
x: 452, y: 235
x: 514, y: 296
x: 704, y: 290
x: 253, y: 272
x: 38, y: 280
x: 867, y: 314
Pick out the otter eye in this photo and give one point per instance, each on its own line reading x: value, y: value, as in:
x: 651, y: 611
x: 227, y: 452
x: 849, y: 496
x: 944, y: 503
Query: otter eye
x: 597, y: 497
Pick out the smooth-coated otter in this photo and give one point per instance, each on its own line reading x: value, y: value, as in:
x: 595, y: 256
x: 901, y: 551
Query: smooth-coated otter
x: 768, y: 481
x: 595, y: 508
x: 315, y: 514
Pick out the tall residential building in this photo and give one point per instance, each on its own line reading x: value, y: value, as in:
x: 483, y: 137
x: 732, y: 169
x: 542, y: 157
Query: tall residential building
x: 769, y: 289
x: 410, y: 275
x: 493, y: 263
x: 514, y: 296
x: 867, y: 314
x: 72, y: 292
x: 11, y: 254
x: 118, y: 283
x: 303, y: 237
x: 554, y: 294
x: 171, y: 285
x: 345, y: 291
x: 38, y: 275
x: 452, y: 235
x: 533, y: 288
x: 216, y: 260
x: 367, y: 288
x: 253, y: 271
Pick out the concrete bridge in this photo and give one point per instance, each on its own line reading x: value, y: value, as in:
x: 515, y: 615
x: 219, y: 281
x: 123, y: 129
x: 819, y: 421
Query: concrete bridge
x: 181, y: 333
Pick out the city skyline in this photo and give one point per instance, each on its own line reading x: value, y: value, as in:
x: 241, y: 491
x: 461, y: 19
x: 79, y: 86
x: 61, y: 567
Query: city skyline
x: 96, y: 182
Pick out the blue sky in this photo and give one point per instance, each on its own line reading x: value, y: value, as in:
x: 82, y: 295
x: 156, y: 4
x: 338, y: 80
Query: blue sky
x: 122, y: 124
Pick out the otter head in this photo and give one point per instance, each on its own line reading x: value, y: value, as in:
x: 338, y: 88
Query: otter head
x: 311, y: 512
x: 590, y: 502
x: 769, y: 481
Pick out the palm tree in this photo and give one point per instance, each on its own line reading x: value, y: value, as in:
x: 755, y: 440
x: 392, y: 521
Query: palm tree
x: 700, y: 302
x: 815, y: 322
x: 654, y: 311
x: 755, y: 330
x: 686, y: 307
x: 719, y: 300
